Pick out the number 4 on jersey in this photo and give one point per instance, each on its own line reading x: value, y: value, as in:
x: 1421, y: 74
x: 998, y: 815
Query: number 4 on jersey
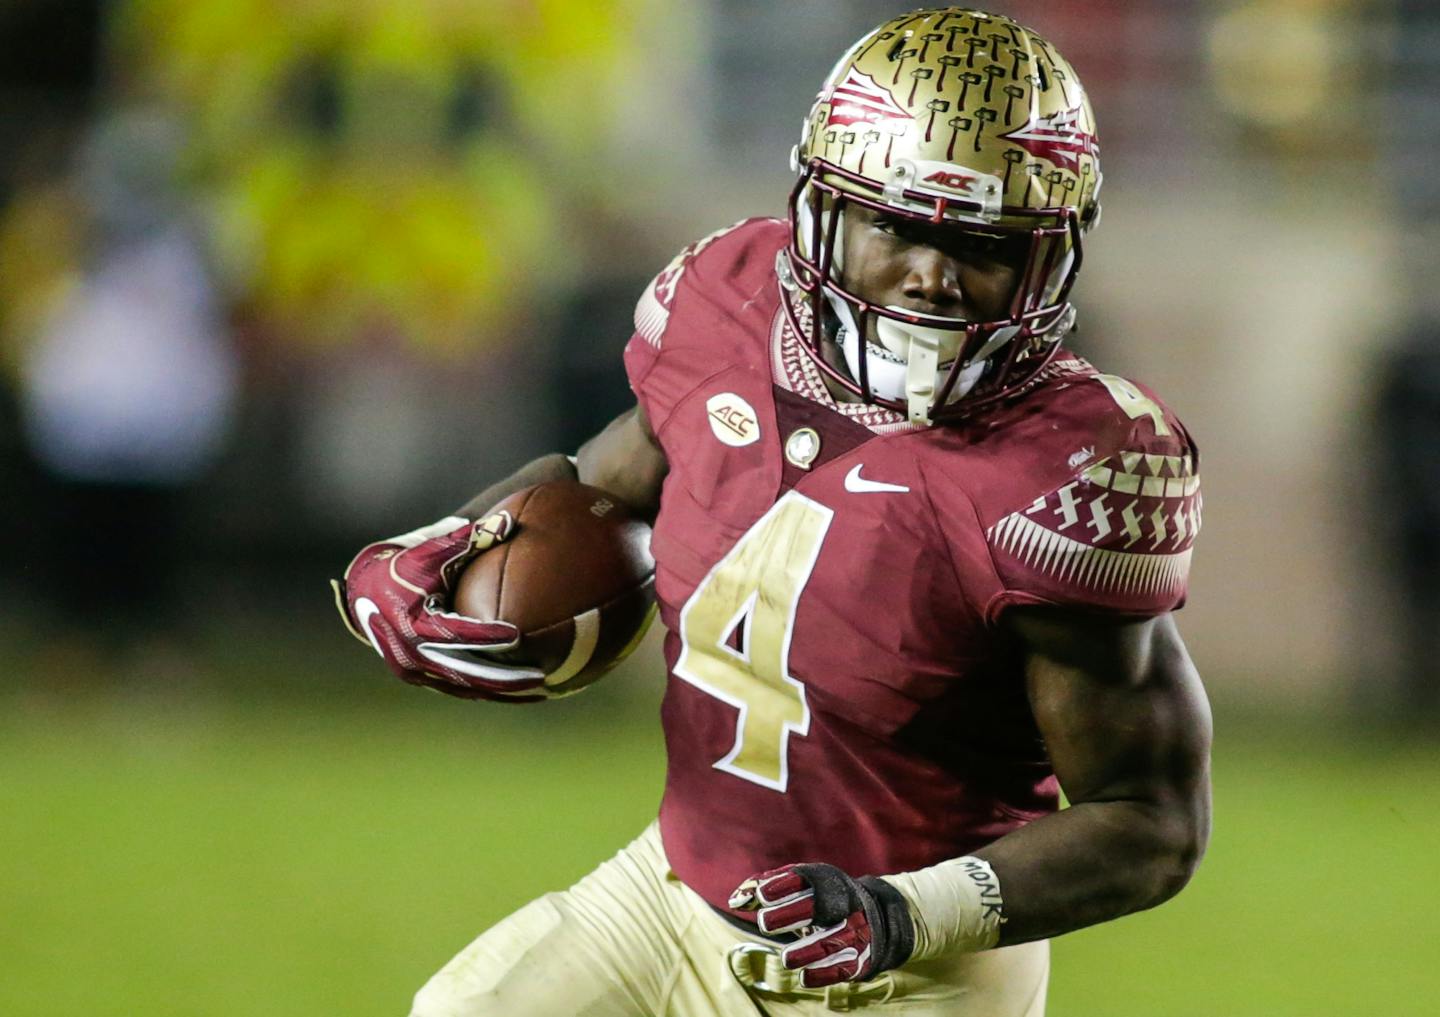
x: 1135, y: 403
x: 735, y: 636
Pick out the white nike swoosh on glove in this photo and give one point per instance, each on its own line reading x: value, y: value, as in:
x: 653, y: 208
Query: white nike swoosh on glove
x: 365, y: 609
x: 857, y: 484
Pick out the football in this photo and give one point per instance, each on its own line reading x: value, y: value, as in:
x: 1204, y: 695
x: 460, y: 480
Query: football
x: 575, y: 577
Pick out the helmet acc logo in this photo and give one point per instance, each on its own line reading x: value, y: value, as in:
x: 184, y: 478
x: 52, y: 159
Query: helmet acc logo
x: 859, y: 100
x: 944, y: 180
x: 733, y: 420
x: 1057, y: 138
x: 977, y: 194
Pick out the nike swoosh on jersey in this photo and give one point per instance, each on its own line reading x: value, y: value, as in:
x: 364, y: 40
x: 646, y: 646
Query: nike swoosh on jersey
x: 365, y: 609
x: 859, y: 485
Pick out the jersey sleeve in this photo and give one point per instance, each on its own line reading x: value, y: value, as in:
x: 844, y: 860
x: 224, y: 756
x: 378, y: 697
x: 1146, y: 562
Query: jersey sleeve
x: 1115, y: 531
x: 660, y: 381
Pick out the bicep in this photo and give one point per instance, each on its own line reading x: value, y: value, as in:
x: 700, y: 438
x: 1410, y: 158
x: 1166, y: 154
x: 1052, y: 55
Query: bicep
x: 626, y: 460
x: 1121, y: 708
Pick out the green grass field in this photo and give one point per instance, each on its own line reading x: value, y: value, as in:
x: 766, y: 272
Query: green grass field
x: 293, y: 855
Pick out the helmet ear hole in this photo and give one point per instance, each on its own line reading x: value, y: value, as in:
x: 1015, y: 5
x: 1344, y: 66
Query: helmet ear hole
x: 1090, y: 215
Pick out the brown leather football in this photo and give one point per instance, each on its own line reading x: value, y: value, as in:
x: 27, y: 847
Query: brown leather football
x: 575, y: 577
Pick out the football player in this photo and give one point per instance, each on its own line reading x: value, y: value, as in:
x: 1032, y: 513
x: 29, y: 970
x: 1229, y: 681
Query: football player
x: 917, y: 564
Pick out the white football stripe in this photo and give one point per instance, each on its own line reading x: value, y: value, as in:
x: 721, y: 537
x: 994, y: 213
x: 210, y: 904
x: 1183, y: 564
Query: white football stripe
x: 587, y: 634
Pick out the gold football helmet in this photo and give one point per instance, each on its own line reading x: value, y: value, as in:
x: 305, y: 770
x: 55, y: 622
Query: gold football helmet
x: 958, y: 119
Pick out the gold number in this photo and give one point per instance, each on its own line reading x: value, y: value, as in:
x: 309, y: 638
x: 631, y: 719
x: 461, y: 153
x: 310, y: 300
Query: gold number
x: 735, y: 636
x: 1135, y: 403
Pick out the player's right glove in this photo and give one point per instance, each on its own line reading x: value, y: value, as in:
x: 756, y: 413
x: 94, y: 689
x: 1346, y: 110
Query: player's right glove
x: 851, y: 929
x: 395, y: 598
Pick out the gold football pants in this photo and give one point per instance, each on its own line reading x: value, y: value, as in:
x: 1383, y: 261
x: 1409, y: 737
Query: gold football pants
x: 630, y: 940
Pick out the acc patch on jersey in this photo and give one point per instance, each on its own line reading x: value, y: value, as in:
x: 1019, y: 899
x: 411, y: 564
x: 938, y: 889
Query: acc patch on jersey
x: 1123, y: 528
x: 732, y: 420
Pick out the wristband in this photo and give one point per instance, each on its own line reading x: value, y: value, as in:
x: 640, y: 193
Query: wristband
x: 956, y: 906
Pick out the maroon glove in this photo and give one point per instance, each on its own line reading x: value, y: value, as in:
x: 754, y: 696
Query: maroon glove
x: 395, y: 597
x: 851, y: 929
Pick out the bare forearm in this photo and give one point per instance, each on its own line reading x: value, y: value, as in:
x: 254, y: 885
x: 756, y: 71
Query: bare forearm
x: 537, y: 471
x: 1127, y: 728
x: 1091, y: 863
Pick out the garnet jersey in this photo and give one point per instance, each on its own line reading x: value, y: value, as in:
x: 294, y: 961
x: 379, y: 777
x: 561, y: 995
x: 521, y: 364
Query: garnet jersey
x: 832, y: 578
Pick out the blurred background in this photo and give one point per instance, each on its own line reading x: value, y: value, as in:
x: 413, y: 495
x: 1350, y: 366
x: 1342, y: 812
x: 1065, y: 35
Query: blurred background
x: 280, y: 277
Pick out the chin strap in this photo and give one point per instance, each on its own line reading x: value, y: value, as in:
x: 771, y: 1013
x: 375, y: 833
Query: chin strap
x: 923, y: 371
x: 915, y: 371
x: 922, y: 368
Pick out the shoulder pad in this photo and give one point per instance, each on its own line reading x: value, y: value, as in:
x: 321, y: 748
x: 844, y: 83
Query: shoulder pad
x: 652, y: 312
x: 1116, y: 530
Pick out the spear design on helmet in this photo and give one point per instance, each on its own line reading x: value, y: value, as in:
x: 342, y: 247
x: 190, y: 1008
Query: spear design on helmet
x: 1017, y: 57
x: 869, y: 138
x: 946, y: 62
x: 993, y: 72
x: 1013, y: 92
x: 972, y: 45
x: 918, y: 75
x: 934, y: 106
x: 985, y: 116
x: 957, y: 124
x: 899, y: 59
x: 969, y: 78
x: 1053, y: 178
x: 1067, y: 185
x: 1013, y: 157
x: 1036, y: 171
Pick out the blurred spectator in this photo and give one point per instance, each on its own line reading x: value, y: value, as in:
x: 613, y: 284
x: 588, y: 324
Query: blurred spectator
x: 128, y: 384
x: 1409, y: 426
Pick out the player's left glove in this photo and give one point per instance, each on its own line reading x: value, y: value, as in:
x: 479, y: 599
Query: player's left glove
x: 851, y: 929
x: 395, y: 598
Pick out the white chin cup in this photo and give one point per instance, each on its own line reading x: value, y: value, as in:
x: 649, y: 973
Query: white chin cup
x: 910, y: 364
